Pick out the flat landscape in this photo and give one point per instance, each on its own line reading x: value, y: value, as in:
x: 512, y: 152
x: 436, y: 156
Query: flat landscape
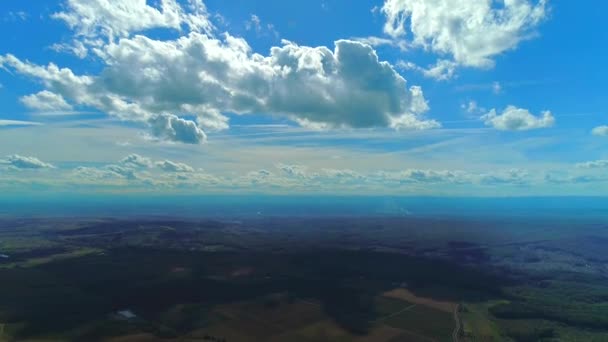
x: 302, y: 279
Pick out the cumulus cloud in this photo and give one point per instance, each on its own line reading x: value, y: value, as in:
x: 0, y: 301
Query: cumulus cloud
x: 342, y: 174
x: 345, y: 87
x: 95, y: 19
x: 122, y: 171
x: 517, y: 119
x: 45, y: 101
x: 425, y: 176
x: 305, y: 177
x: 293, y: 170
x: 135, y: 160
x: 513, y: 176
x: 600, y: 131
x: 472, y: 32
x: 454, y: 177
x: 574, y: 179
x: 129, y: 164
x: 170, y: 166
x: 95, y: 174
x: 204, y: 76
x: 171, y: 127
x: 257, y: 177
x: 22, y: 162
x: 137, y: 169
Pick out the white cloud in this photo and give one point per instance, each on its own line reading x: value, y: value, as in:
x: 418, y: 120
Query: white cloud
x: 472, y: 32
x: 16, y: 16
x: 517, y: 119
x: 157, y: 83
x: 513, y: 176
x: 22, y: 162
x: 346, y: 87
x: 94, y: 19
x: 123, y: 171
x: 496, y: 88
x: 94, y: 174
x: 45, y: 101
x: 104, y: 176
x: 6, y: 123
x: 431, y: 176
x: 293, y: 170
x: 379, y: 41
x: 255, y: 24
x: 298, y: 178
x: 472, y: 107
x: 76, y: 48
x: 567, y: 178
x: 600, y: 131
x: 342, y: 173
x: 596, y: 164
x: 443, y: 70
x: 137, y: 169
x: 170, y: 166
x: 258, y: 177
x: 425, y: 176
x: 205, y: 76
x: 173, y: 128
x: 454, y: 177
x: 135, y: 160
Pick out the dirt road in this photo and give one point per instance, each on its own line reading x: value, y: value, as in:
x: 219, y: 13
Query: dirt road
x: 456, y: 332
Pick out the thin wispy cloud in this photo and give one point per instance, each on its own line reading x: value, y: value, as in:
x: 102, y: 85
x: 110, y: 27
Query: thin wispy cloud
x: 6, y: 123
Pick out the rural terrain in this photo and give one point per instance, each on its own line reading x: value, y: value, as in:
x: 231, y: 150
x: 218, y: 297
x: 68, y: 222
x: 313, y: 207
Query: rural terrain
x: 303, y: 279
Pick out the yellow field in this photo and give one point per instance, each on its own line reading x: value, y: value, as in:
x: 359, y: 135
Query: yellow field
x: 406, y: 295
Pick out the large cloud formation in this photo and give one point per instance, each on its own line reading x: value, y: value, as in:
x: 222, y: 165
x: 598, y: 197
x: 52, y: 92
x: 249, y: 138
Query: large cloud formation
x: 204, y: 75
x: 472, y: 32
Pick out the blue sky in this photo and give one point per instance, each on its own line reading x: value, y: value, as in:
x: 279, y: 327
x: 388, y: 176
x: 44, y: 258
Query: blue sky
x: 405, y: 97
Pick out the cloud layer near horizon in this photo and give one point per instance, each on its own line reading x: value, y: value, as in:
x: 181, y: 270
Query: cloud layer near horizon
x: 139, y: 173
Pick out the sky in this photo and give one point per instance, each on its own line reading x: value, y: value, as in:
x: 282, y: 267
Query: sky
x: 323, y: 97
